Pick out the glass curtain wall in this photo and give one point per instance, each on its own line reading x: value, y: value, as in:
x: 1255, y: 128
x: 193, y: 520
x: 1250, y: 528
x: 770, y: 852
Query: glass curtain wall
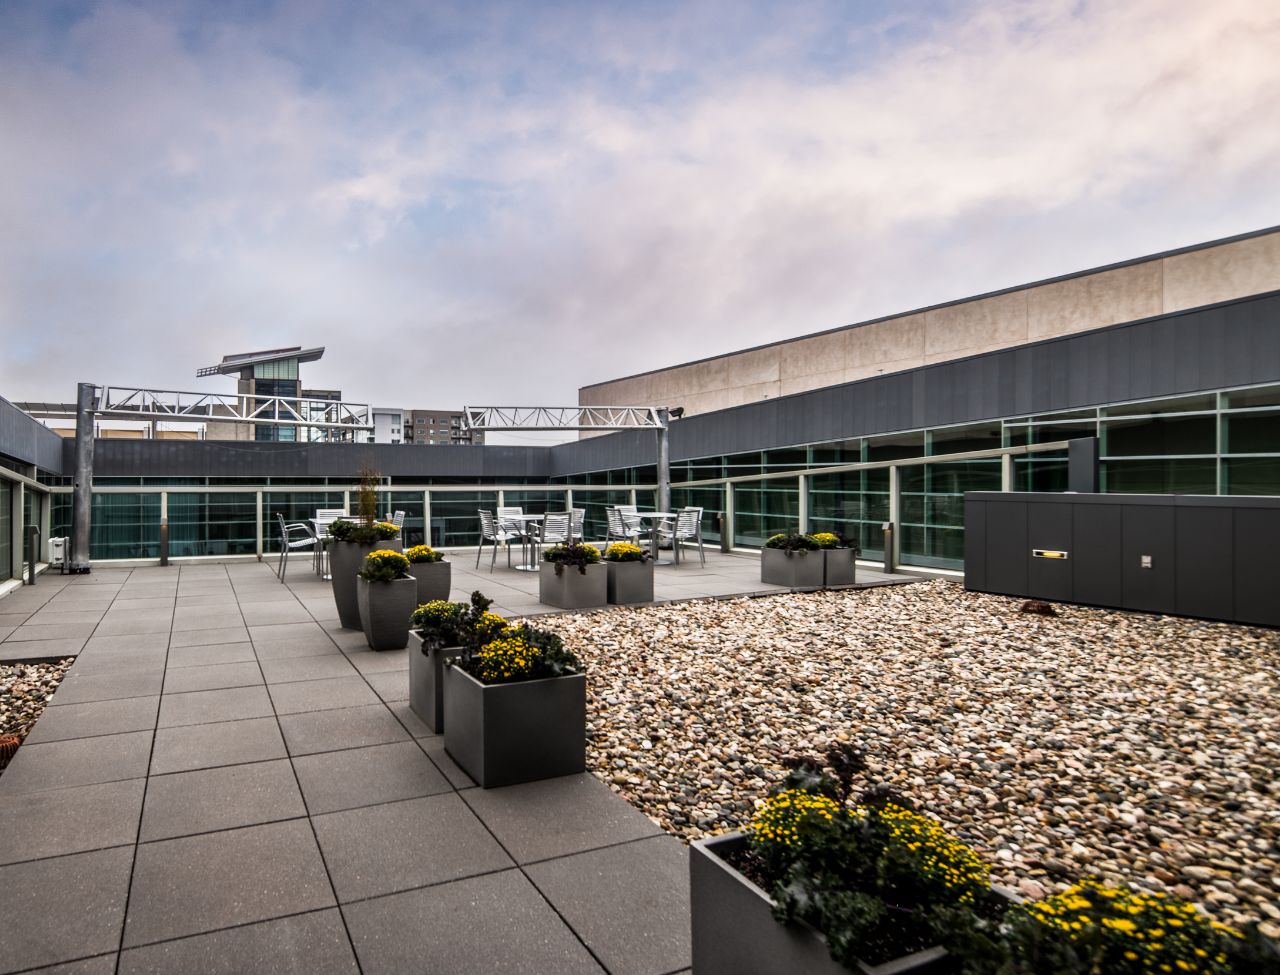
x: 595, y: 523
x: 411, y: 503
x: 454, y: 516
x: 932, y: 516
x: 765, y: 508
x: 710, y: 500
x: 213, y: 524
x: 854, y: 504
x: 125, y: 526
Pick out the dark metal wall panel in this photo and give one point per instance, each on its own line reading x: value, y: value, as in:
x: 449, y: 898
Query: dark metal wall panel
x: 254, y: 461
x: 975, y: 546
x: 1097, y: 558
x: 1212, y: 557
x: 1049, y: 528
x: 1257, y: 542
x: 1006, y: 547
x: 29, y: 441
x: 1148, y: 531
x: 1204, y: 539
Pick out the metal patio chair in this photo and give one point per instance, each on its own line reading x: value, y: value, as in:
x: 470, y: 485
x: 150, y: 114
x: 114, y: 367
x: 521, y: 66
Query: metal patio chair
x: 290, y: 541
x: 493, y: 534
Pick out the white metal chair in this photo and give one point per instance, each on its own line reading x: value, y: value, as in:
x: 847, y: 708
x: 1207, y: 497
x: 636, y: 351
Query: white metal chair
x: 555, y: 529
x: 490, y: 532
x: 510, y: 520
x: 617, y: 530
x: 289, y: 542
x: 688, y: 528
x: 324, y: 518
x: 579, y: 516
x: 397, y: 519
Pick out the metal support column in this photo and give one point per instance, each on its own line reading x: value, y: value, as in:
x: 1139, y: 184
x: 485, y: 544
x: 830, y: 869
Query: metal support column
x: 86, y: 396
x: 664, y: 460
x: 1006, y: 473
x: 803, y: 508
x: 895, y: 512
x: 18, y: 536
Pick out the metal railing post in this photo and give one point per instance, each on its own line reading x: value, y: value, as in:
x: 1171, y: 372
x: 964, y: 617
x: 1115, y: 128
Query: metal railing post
x: 803, y: 509
x: 258, y: 497
x: 895, y: 517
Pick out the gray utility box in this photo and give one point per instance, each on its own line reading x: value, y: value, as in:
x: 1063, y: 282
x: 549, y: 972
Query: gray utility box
x: 1186, y: 555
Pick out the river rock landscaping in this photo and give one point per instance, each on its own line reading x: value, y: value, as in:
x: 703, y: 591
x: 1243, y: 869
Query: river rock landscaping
x: 25, y: 689
x: 1141, y: 749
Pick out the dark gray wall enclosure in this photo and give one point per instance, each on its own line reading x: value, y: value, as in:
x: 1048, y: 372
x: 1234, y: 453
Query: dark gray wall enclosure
x: 1212, y: 557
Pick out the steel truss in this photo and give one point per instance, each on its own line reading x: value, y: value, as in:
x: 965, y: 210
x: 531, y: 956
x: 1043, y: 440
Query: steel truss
x: 562, y: 418
x: 128, y: 403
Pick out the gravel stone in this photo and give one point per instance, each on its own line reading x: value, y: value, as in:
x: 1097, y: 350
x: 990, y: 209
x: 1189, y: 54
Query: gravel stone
x: 25, y: 689
x: 1136, y: 747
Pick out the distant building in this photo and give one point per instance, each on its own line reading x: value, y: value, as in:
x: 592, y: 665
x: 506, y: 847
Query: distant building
x: 272, y: 372
x: 388, y: 425
x: 438, y: 427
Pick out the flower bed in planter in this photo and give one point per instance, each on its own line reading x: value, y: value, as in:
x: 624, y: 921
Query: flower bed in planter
x: 348, y: 545
x: 515, y: 709
x: 793, y: 561
x: 434, y: 574
x: 876, y: 888
x: 839, y: 559
x: 386, y: 595
x: 441, y: 631
x: 630, y: 574
x: 571, y: 577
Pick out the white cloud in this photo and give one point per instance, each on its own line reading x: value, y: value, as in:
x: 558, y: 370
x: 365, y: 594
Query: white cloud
x: 477, y: 207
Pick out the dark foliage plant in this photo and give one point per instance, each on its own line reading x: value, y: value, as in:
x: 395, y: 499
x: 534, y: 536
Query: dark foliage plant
x: 792, y: 542
x: 577, y: 554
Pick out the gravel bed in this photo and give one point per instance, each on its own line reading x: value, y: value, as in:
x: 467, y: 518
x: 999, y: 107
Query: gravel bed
x: 24, y: 691
x: 1141, y: 748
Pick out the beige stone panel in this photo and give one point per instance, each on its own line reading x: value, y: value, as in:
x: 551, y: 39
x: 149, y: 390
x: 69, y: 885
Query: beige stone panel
x: 976, y: 326
x: 1247, y: 267
x: 1108, y: 298
x: 817, y: 380
x: 881, y: 368
x: 812, y: 356
x: 742, y: 369
x: 891, y: 341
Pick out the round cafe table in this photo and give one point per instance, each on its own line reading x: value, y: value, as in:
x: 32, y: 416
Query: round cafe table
x: 529, y: 565
x: 657, y: 517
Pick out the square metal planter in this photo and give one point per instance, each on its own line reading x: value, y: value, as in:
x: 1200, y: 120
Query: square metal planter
x: 838, y: 566
x: 503, y: 734
x: 735, y: 932
x: 630, y: 582
x: 570, y: 588
x: 435, y: 579
x: 426, y: 681
x: 385, y: 608
x: 801, y: 570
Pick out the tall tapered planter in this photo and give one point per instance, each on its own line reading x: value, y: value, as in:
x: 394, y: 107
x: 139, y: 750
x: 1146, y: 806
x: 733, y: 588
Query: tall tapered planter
x: 501, y: 734
x: 345, y: 559
x: 434, y: 580
x: 385, y: 608
x: 796, y: 570
x: 426, y: 680
x: 839, y: 566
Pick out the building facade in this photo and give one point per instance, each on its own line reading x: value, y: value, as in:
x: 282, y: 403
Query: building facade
x: 436, y: 427
x: 388, y: 425
x: 272, y: 372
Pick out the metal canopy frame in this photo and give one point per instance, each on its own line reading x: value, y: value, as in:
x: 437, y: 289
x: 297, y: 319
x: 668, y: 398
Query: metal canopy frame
x: 656, y: 418
x: 562, y: 418
x: 130, y: 403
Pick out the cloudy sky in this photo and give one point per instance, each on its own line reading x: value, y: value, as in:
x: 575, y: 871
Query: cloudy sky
x: 497, y: 203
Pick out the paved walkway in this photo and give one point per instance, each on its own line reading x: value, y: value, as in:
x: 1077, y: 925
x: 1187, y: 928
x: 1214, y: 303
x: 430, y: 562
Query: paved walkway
x: 226, y: 781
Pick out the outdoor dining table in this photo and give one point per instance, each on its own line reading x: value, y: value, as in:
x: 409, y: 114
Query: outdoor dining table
x: 658, y: 517
x: 528, y: 565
